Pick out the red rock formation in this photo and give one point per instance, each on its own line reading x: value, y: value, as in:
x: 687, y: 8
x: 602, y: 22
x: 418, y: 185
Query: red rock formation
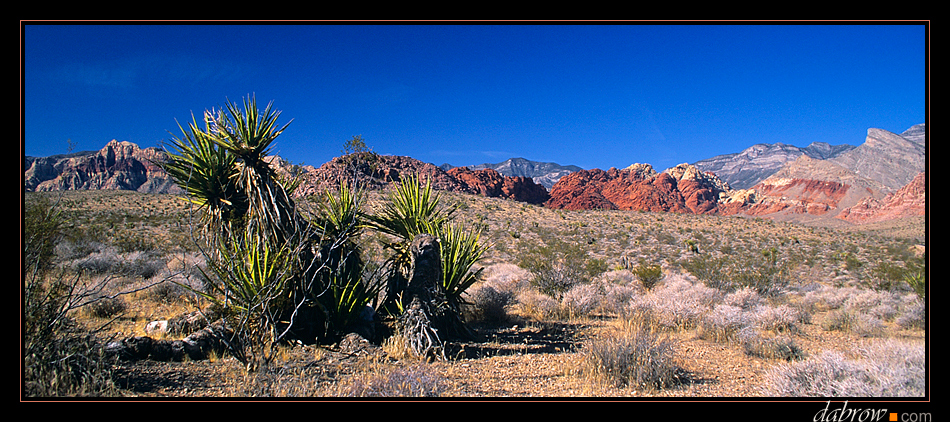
x: 491, y: 183
x: 806, y: 196
x: 379, y: 171
x: 682, y: 189
x: 910, y: 200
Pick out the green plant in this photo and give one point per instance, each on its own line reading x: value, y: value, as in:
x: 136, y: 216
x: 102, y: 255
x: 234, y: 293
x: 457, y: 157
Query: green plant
x: 461, y: 251
x: 917, y: 281
x: 270, y: 263
x: 649, y: 274
x: 557, y: 266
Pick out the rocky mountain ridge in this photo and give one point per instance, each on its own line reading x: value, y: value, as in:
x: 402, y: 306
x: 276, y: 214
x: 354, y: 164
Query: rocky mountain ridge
x: 744, y: 169
x: 543, y: 173
x: 117, y: 166
x: 854, y: 184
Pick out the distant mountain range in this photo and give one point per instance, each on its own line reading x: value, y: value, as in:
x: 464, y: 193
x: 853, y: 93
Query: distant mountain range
x: 544, y: 174
x: 884, y: 176
x: 742, y: 170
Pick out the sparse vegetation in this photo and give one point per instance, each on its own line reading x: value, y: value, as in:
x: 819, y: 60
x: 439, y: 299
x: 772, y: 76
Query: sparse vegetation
x: 563, y: 303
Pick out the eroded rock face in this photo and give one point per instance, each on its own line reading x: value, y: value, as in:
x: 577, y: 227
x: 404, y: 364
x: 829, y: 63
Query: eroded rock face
x: 638, y: 187
x: 117, y: 166
x: 910, y: 200
x: 379, y: 171
x: 490, y: 183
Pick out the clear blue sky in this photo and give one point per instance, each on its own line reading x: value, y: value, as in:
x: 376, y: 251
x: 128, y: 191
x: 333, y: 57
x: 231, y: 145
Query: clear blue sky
x: 596, y: 96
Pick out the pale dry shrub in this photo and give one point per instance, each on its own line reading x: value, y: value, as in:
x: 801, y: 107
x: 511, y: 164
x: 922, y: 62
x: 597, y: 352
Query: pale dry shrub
x: 631, y: 357
x: 417, y: 380
x: 776, y: 318
x: 768, y: 345
x: 105, y: 307
x: 886, y: 368
x: 617, y: 296
x: 745, y: 298
x: 879, y: 304
x: 853, y: 322
x: 583, y: 299
x: 488, y: 305
x: 508, y: 277
x: 532, y: 303
x: 678, y: 303
x: 723, y: 323
x: 913, y: 313
x: 830, y: 297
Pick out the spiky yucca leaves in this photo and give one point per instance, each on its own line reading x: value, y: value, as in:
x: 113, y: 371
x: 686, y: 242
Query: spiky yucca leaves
x: 253, y: 279
x: 461, y: 250
x: 343, y: 285
x: 249, y: 136
x: 206, y: 172
x: 412, y: 209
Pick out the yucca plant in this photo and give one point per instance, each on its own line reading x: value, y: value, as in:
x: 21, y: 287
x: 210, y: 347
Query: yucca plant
x: 413, y: 210
x: 252, y: 278
x: 206, y: 171
x: 461, y: 251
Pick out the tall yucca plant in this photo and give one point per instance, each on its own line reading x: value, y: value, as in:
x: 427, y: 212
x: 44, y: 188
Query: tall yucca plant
x: 461, y: 250
x: 206, y: 171
x: 414, y: 209
x: 253, y: 279
x: 249, y: 135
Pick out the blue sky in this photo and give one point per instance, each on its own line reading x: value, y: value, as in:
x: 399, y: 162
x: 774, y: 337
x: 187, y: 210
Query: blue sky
x: 596, y: 96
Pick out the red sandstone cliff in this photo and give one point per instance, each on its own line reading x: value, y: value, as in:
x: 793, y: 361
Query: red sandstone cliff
x: 680, y: 189
x: 910, y: 200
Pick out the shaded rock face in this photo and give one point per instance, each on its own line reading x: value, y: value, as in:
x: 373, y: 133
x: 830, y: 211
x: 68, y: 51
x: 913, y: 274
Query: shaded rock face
x: 117, y: 166
x: 806, y: 196
x: 379, y: 171
x: 754, y: 164
x: 490, y: 183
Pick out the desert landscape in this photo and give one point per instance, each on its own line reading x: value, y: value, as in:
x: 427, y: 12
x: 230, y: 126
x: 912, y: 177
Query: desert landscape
x: 613, y: 283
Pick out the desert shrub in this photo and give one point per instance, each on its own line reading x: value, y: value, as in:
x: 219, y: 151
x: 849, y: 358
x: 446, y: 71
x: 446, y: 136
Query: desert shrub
x: 913, y: 314
x: 853, y: 322
x: 538, y: 305
x: 879, y: 304
x: 766, y: 273
x: 102, y: 261
x: 167, y: 292
x: 106, y: 307
x: 648, y: 274
x: 759, y: 343
x: 59, y: 358
x: 745, y: 298
x: 829, y: 297
x: 724, y: 322
x: 583, y: 299
x: 617, y: 296
x: 637, y: 358
x: 409, y: 381
x: 489, y: 305
x: 887, y: 368
x: 140, y: 264
x: 557, y: 266
x: 782, y: 318
x: 676, y: 304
